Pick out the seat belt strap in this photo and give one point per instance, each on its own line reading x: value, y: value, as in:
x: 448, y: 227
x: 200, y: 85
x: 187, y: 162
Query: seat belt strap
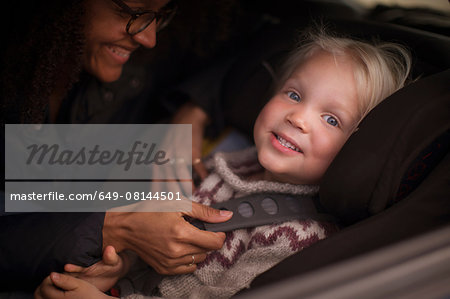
x: 263, y: 209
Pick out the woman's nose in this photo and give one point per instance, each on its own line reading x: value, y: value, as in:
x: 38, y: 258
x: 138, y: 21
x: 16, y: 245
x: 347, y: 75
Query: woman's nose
x: 147, y: 37
x: 298, y: 120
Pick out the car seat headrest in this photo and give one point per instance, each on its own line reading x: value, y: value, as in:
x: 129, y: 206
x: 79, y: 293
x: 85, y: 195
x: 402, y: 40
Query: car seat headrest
x: 366, y: 175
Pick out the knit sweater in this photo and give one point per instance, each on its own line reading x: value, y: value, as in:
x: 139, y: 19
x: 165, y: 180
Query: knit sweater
x: 246, y: 252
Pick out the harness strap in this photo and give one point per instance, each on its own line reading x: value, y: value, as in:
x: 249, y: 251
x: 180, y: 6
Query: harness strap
x: 263, y: 209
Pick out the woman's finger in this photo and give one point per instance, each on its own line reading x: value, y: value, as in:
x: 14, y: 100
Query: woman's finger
x: 183, y: 269
x: 204, y: 239
x: 187, y: 259
x: 201, y: 240
x: 186, y: 264
x: 194, y: 258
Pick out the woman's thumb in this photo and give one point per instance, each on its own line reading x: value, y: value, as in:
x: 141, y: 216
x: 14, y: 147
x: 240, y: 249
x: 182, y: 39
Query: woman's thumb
x: 110, y: 257
x: 209, y: 214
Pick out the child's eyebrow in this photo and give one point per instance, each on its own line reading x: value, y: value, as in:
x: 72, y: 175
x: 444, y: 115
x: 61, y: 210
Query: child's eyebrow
x: 295, y: 84
x: 292, y: 81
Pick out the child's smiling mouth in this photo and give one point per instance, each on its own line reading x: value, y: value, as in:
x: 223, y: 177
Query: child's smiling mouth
x: 287, y: 144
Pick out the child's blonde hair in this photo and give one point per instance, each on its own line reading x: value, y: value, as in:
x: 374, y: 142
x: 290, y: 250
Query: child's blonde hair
x: 380, y: 69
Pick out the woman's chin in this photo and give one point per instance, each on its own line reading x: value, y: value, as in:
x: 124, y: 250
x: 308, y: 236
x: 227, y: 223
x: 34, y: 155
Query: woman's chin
x: 106, y: 74
x: 110, y: 76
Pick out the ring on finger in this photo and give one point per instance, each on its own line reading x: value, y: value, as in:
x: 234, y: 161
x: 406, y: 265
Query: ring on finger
x: 193, y: 260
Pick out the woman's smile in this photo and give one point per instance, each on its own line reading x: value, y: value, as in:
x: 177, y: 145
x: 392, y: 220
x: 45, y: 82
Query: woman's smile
x: 120, y: 54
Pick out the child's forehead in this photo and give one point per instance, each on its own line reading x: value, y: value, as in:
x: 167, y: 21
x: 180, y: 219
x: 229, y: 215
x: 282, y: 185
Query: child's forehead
x: 325, y: 68
x: 324, y: 59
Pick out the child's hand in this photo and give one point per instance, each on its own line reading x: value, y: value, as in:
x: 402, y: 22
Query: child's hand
x: 105, y: 273
x: 65, y: 286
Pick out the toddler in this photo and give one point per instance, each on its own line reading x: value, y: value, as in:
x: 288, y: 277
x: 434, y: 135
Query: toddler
x: 328, y: 85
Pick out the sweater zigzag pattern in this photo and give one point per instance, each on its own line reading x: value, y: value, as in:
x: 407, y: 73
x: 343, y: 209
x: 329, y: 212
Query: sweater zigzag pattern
x: 246, y: 252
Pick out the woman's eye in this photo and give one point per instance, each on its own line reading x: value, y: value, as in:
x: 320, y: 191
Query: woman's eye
x: 293, y: 96
x: 331, y: 120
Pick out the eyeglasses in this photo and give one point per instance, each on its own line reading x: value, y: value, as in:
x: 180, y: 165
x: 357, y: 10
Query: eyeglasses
x: 141, y: 19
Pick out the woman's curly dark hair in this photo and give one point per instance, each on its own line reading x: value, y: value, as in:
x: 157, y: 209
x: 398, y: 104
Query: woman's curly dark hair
x: 45, y: 44
x: 45, y: 47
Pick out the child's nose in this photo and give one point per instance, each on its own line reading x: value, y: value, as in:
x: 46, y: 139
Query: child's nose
x: 298, y: 120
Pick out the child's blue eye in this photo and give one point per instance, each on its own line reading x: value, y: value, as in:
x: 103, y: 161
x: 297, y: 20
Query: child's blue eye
x: 294, y: 96
x: 331, y: 120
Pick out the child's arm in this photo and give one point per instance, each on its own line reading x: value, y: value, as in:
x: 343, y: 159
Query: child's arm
x: 104, y: 274
x: 65, y: 286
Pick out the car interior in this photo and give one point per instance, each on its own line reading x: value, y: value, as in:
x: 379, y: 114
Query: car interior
x: 389, y: 185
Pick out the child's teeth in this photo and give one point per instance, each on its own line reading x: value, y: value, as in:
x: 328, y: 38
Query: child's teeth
x: 287, y: 144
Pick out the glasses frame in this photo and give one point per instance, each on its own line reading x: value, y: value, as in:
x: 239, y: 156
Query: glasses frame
x: 157, y: 15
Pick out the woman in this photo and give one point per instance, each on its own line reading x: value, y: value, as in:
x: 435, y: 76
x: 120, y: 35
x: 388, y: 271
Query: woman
x: 60, y: 54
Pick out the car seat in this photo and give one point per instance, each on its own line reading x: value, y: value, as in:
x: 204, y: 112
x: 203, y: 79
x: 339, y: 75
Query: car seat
x: 390, y: 182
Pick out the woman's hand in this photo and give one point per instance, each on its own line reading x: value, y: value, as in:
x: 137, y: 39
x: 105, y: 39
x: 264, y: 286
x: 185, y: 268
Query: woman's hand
x: 192, y: 114
x: 165, y: 241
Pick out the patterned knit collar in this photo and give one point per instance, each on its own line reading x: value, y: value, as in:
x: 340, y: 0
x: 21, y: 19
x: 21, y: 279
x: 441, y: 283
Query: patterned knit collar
x: 234, y: 167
